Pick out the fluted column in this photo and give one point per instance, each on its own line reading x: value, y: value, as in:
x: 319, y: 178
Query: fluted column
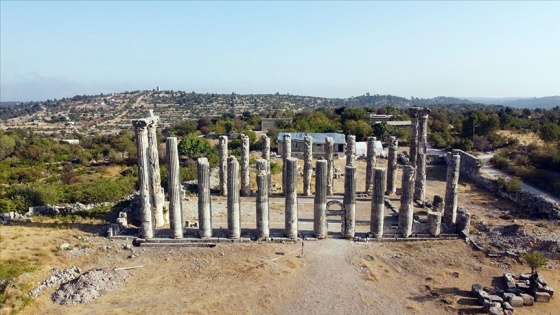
x: 320, y: 202
x: 451, y: 188
x: 265, y: 147
x: 263, y: 228
x: 378, y: 203
x: 307, y: 166
x: 329, y: 156
x: 350, y: 201
x: 223, y: 151
x: 245, y: 172
x: 420, y: 181
x: 234, y: 223
x: 286, y: 153
x: 158, y: 196
x: 413, y: 150
x: 291, y: 223
x: 204, y: 200
x: 406, y: 210
x: 392, y: 166
x: 370, y: 164
x: 174, y: 187
x: 350, y: 150
x: 146, y: 213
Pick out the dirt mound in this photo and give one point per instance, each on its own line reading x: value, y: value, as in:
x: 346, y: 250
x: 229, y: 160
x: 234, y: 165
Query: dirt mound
x: 89, y: 286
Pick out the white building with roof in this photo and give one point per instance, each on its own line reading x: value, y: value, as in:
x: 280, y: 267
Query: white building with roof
x: 298, y: 142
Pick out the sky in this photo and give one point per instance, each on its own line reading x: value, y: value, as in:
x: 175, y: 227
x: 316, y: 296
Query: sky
x: 332, y: 49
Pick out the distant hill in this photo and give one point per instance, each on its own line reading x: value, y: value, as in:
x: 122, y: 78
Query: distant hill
x: 10, y: 104
x: 546, y: 102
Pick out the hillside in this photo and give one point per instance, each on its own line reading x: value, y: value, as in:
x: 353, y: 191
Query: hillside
x: 520, y: 102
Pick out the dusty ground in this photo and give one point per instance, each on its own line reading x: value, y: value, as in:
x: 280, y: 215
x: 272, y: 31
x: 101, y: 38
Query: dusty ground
x: 332, y: 276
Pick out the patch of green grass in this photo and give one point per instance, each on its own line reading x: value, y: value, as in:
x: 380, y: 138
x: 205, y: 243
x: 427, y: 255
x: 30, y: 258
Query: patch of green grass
x: 12, y: 268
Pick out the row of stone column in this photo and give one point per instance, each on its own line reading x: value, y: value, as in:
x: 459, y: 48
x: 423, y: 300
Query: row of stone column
x: 418, y: 144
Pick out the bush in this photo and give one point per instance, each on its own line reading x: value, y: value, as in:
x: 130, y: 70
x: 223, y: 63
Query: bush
x: 275, y: 168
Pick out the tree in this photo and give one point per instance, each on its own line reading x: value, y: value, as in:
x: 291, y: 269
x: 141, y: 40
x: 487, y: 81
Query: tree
x: 535, y: 260
x: 361, y: 129
x: 194, y: 147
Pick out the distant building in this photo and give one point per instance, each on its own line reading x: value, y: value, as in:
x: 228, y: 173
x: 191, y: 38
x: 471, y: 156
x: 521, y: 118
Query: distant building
x: 400, y: 123
x: 270, y: 123
x: 298, y: 143
x: 373, y: 118
x: 71, y: 141
x: 157, y: 88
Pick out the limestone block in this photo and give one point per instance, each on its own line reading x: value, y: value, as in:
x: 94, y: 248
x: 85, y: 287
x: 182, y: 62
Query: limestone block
x: 496, y: 298
x: 542, y: 297
x: 507, y: 306
x: 528, y: 300
x: 475, y: 289
x: 516, y: 301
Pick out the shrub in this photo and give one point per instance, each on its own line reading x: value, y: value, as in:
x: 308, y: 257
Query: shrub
x: 535, y: 260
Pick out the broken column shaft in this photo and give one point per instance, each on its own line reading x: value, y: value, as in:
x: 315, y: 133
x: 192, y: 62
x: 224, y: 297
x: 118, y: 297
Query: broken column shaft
x: 434, y: 223
x: 378, y: 203
x: 265, y: 147
x: 329, y: 156
x: 307, y: 166
x: 413, y: 146
x: 286, y: 153
x: 291, y: 204
x: 233, y: 214
x: 263, y: 229
x: 350, y: 150
x: 392, y: 166
x: 204, y: 200
x: 320, y: 202
x: 406, y: 210
x: 146, y: 213
x: 174, y: 187
x: 420, y: 181
x: 245, y: 172
x: 349, y: 201
x: 223, y: 151
x: 370, y: 164
x: 157, y: 194
x: 450, y: 207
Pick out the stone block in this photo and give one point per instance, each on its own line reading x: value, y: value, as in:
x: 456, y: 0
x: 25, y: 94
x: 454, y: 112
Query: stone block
x: 496, y: 298
x: 483, y: 296
x: 475, y: 289
x: 515, y: 291
x: 528, y: 300
x: 486, y: 305
x: 508, y: 296
x: 508, y: 312
x: 509, y: 277
x: 549, y: 290
x: 542, y: 297
x: 510, y: 285
x: 494, y: 310
x: 507, y: 306
x: 523, y: 286
x: 516, y: 301
x: 542, y: 281
x: 524, y: 276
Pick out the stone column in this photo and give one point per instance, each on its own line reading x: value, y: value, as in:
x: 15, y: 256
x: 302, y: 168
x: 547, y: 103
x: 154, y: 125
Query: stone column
x: 378, y: 203
x: 350, y: 150
x: 437, y: 205
x: 350, y: 201
x: 320, y: 202
x: 263, y: 228
x: 412, y: 152
x: 291, y: 205
x: 265, y: 147
x: 450, y: 207
x: 234, y: 228
x: 329, y: 156
x: 158, y: 196
x: 286, y: 153
x: 434, y: 223
x: 307, y: 166
x: 223, y: 151
x: 245, y: 172
x: 174, y: 187
x: 406, y: 210
x: 392, y: 166
x: 146, y: 213
x: 370, y: 164
x: 204, y: 200
x: 420, y: 182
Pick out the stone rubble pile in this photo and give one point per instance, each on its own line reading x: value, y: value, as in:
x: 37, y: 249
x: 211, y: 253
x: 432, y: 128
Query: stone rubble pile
x: 89, y: 286
x: 59, y: 276
x: 522, y: 290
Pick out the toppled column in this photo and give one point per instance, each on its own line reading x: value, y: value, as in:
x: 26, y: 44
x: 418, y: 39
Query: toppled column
x: 392, y: 166
x: 349, y: 201
x: 320, y: 202
x: 420, y: 182
x: 233, y: 214
x: 307, y: 166
x: 450, y: 208
x: 204, y: 200
x: 157, y: 194
x: 413, y: 113
x: 223, y: 151
x: 245, y: 172
x: 263, y: 227
x: 370, y: 164
x: 434, y: 223
x: 378, y: 203
x: 146, y: 213
x: 265, y: 147
x: 329, y: 156
x: 350, y: 150
x: 174, y: 188
x: 406, y: 210
x: 291, y: 224
x: 286, y: 153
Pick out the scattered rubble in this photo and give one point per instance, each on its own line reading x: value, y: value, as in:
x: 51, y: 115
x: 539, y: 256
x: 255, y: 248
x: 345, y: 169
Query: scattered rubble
x: 59, y: 276
x: 89, y: 286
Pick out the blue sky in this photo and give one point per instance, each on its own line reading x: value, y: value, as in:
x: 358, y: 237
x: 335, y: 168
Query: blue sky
x: 332, y: 49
